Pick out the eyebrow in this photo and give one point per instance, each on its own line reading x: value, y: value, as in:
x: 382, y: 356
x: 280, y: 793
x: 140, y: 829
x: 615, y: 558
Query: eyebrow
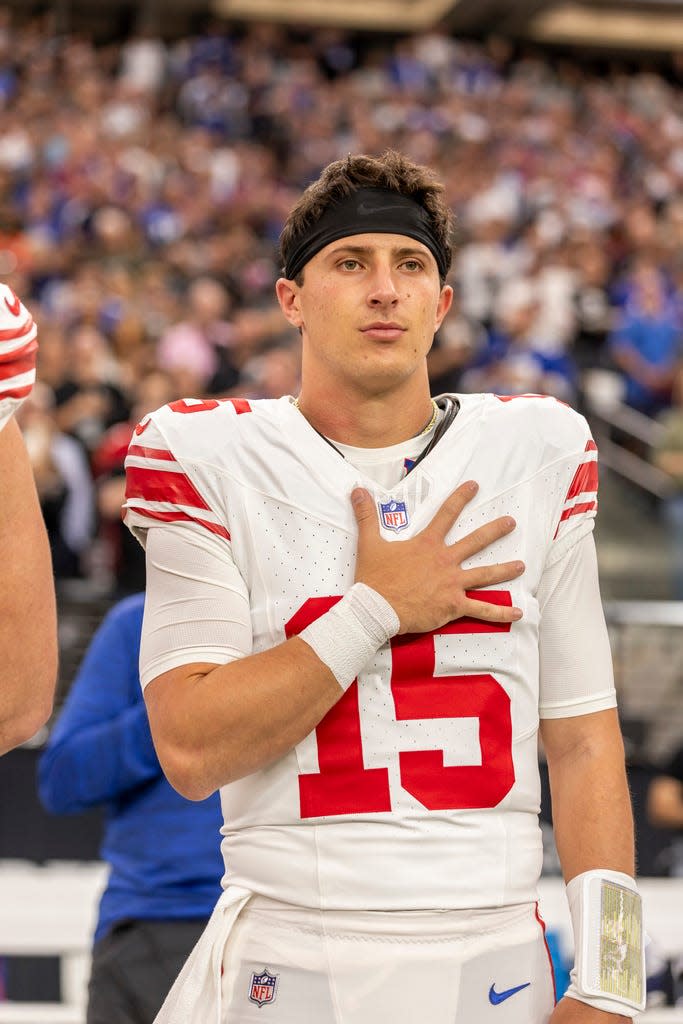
x: 367, y: 250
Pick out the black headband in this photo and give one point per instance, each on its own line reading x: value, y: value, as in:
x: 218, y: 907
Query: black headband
x: 367, y: 210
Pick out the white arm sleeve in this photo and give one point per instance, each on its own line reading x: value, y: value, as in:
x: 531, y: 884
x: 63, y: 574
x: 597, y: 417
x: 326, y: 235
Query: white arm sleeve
x: 576, y: 675
x: 196, y: 602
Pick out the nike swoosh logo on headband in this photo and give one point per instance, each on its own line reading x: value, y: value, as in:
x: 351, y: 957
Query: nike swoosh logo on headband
x: 367, y: 209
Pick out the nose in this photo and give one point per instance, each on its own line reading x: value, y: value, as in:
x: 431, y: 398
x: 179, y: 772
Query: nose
x: 382, y: 291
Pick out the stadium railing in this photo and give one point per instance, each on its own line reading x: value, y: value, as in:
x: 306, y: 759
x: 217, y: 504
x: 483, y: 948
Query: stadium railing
x: 611, y: 419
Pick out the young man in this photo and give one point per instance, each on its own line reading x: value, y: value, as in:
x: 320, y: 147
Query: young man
x: 358, y: 604
x: 28, y: 623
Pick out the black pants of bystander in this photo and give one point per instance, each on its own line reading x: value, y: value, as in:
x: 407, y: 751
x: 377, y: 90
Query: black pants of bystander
x: 134, y: 966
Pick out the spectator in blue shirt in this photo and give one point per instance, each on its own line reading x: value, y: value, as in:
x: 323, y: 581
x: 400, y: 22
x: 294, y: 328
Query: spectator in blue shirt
x: 646, y: 343
x: 163, y: 850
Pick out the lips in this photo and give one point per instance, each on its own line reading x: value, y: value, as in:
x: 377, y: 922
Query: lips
x: 384, y: 330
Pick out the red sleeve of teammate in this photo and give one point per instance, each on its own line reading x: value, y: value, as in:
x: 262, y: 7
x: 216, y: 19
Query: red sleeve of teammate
x: 18, y: 350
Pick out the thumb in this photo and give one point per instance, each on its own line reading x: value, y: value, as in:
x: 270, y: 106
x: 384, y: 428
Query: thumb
x: 364, y: 508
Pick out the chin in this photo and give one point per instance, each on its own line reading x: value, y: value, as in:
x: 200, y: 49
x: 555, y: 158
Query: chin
x: 375, y: 379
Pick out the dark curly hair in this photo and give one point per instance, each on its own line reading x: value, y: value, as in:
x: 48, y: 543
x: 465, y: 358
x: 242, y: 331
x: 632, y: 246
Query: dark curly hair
x: 392, y: 171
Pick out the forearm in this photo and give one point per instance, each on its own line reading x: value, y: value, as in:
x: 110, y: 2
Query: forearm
x: 28, y: 632
x: 227, y: 721
x: 592, y: 817
x: 594, y: 833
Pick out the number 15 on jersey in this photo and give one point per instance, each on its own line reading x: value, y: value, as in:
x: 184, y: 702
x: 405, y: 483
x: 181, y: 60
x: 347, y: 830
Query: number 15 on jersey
x: 344, y: 786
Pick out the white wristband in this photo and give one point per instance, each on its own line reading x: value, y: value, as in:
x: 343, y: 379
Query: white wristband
x: 609, y: 965
x: 347, y: 636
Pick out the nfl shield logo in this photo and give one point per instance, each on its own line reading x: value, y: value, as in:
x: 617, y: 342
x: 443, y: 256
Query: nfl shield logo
x: 394, y: 514
x: 263, y: 987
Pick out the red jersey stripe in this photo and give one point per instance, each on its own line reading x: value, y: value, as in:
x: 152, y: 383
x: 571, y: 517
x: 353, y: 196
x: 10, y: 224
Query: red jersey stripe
x: 16, y: 369
x: 151, y: 453
x: 18, y: 355
x: 17, y: 392
x: 196, y: 405
x: 15, y: 305
x: 575, y: 510
x: 157, y: 485
x: 585, y: 480
x: 591, y: 446
x: 547, y: 949
x: 240, y: 405
x: 530, y: 394
x: 180, y: 517
x: 12, y: 333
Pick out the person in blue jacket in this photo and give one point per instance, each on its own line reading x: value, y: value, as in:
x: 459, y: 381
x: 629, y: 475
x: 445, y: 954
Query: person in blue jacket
x: 163, y: 850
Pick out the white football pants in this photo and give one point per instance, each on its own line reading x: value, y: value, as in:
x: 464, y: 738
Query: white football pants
x: 283, y: 965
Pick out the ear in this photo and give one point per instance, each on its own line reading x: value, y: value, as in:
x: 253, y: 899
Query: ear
x: 444, y: 304
x: 288, y: 296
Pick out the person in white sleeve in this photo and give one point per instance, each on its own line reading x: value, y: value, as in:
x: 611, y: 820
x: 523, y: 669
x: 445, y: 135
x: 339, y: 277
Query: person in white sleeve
x: 361, y: 606
x: 28, y: 624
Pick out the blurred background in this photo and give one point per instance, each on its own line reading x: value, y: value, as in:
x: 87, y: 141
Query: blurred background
x: 149, y: 153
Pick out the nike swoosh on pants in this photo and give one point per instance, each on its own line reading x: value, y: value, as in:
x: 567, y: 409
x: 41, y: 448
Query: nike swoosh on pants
x: 499, y: 997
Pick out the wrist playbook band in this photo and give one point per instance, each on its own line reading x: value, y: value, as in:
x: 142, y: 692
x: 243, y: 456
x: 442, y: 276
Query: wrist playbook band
x: 609, y: 966
x: 347, y: 636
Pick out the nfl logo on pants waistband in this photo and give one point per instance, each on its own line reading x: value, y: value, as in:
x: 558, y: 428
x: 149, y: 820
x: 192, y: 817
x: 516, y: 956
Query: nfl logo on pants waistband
x: 263, y: 987
x: 394, y: 514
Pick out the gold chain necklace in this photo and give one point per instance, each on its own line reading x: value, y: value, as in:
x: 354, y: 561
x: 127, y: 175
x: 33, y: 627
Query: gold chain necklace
x: 432, y: 420
x: 425, y: 429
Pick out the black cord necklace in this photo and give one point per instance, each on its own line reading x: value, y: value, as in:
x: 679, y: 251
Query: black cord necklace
x: 451, y: 407
x: 448, y: 403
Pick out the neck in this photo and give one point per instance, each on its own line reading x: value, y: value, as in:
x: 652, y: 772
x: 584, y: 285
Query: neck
x: 367, y: 421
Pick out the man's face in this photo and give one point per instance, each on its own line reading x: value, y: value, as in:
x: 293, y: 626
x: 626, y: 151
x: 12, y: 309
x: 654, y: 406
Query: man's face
x: 368, y: 309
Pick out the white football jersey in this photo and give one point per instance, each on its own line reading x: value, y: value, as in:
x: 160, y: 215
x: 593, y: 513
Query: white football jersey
x: 420, y: 788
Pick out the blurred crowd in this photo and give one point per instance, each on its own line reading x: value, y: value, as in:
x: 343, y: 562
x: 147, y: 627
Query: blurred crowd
x: 143, y: 186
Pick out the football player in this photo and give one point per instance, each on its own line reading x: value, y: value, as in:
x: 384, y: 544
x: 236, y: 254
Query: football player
x: 361, y: 604
x: 28, y: 630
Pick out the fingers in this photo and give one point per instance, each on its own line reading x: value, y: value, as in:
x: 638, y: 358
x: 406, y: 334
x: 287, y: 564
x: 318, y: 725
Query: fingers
x: 483, y: 537
x: 489, y: 612
x: 364, y: 511
x: 452, y: 507
x: 489, y: 575
x: 486, y: 576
